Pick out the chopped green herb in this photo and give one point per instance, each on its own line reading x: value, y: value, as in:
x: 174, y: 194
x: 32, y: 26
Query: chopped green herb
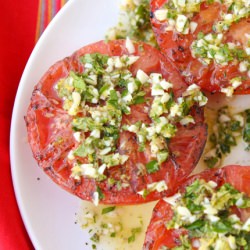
x: 197, y: 225
x: 139, y: 100
x: 211, y: 161
x: 113, y: 99
x: 222, y: 227
x: 113, y: 235
x: 131, y: 238
x: 78, y: 82
x: 98, y: 61
x: 95, y: 237
x: 134, y: 231
x: 100, y: 193
x: 108, y: 209
x: 246, y: 130
x: 137, y: 27
x: 228, y: 129
x: 205, y: 211
x: 85, y: 124
x: 152, y: 166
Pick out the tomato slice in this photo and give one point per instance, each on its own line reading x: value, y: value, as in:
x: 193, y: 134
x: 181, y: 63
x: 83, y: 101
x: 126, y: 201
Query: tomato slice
x: 52, y: 138
x: 243, y: 177
x: 158, y: 235
x: 176, y: 46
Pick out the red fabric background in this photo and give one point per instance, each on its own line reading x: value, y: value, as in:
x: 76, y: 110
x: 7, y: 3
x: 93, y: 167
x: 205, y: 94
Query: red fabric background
x: 17, y: 39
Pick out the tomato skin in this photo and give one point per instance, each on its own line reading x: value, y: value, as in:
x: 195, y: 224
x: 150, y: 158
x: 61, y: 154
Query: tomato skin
x: 176, y: 47
x: 242, y: 181
x: 158, y: 235
x: 51, y: 137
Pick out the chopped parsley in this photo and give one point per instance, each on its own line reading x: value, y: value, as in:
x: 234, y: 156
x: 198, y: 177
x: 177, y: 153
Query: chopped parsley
x: 102, y: 94
x: 204, y: 210
x: 134, y: 231
x: 100, y: 193
x: 213, y: 46
x: 94, y: 100
x: 134, y: 22
x: 108, y: 209
x: 152, y: 166
x: 165, y: 113
x: 227, y: 130
x: 246, y: 130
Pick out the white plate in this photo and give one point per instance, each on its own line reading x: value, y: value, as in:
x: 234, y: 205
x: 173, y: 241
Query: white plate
x: 48, y: 211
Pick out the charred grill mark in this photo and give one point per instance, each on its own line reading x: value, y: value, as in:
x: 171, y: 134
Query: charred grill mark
x: 39, y: 156
x: 78, y: 183
x: 180, y: 48
x: 216, y: 174
x: 177, y: 241
x: 47, y: 169
x: 180, y: 37
x: 36, y: 89
x: 175, y: 164
x: 35, y: 106
x: 26, y: 121
x: 173, y: 52
x: 35, y: 92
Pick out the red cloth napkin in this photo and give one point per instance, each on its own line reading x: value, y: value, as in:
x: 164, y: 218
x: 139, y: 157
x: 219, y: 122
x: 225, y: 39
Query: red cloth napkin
x: 20, y: 25
x: 17, y: 29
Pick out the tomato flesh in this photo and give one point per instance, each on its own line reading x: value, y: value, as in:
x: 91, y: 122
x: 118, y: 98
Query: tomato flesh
x: 158, y: 235
x: 177, y: 47
x: 51, y: 136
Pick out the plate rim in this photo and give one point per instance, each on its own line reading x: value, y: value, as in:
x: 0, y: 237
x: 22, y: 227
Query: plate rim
x: 14, y: 117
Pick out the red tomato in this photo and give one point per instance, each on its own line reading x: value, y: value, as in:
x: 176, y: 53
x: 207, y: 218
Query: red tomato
x: 176, y: 47
x: 243, y: 177
x: 51, y: 137
x: 158, y: 235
